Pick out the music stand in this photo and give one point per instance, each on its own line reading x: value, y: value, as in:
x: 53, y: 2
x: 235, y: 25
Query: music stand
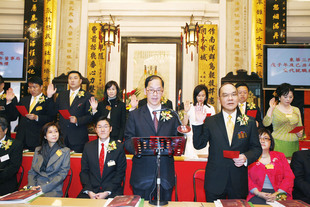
x: 160, y: 146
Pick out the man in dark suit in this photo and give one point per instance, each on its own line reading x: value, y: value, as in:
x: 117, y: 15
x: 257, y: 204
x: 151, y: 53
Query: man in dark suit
x: 300, y: 165
x: 4, y: 103
x: 39, y: 108
x: 141, y: 123
x: 105, y: 181
x: 11, y: 159
x: 226, y: 177
x: 246, y: 107
x: 76, y: 101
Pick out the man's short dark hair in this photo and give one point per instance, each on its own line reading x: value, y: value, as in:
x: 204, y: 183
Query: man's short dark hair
x: 242, y: 84
x: 1, y: 79
x: 35, y: 79
x: 3, y: 123
x: 224, y: 84
x: 75, y: 71
x: 103, y: 118
x: 152, y: 77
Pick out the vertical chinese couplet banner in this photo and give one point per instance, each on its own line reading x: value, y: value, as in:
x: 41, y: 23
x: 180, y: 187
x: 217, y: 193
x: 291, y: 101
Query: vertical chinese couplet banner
x: 96, y: 59
x: 237, y: 35
x: 207, y: 64
x: 33, y: 29
x: 258, y: 36
x: 276, y: 22
x: 49, y: 42
x: 69, y: 34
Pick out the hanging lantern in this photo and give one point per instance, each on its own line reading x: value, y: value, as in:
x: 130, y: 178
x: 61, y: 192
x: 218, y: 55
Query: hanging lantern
x: 191, y: 32
x: 109, y: 32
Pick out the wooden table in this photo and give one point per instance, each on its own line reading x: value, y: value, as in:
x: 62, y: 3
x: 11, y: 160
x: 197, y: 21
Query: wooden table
x: 184, y: 171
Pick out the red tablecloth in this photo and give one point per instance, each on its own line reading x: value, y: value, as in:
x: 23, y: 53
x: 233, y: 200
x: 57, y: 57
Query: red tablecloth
x: 184, y: 171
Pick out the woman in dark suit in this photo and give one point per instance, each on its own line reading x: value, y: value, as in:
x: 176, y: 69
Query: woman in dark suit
x: 112, y: 108
x: 50, y: 164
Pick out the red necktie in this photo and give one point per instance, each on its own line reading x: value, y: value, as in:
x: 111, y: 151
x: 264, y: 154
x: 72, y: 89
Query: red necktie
x: 155, y: 120
x: 101, y: 159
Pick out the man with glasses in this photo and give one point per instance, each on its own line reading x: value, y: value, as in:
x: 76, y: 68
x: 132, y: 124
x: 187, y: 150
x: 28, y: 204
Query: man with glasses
x: 148, y: 121
x: 234, y: 145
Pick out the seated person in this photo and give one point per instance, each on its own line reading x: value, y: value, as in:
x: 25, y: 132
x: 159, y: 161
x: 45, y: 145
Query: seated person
x: 11, y: 158
x: 270, y: 174
x: 107, y: 156
x: 50, y: 164
x: 300, y: 165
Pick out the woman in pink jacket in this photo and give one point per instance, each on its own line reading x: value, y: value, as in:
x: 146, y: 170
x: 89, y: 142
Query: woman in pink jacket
x: 270, y: 175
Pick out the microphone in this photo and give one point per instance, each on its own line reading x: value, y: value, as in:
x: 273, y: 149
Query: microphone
x: 182, y: 128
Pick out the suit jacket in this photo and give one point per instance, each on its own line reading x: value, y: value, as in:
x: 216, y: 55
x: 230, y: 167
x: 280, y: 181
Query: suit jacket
x: 113, y: 172
x: 51, y: 181
x: 10, y: 167
x: 219, y: 169
x: 281, y: 176
x: 76, y: 134
x: 117, y: 116
x: 5, y: 113
x: 300, y: 165
x: 28, y: 131
x: 258, y: 117
x: 168, y: 104
x: 140, y: 124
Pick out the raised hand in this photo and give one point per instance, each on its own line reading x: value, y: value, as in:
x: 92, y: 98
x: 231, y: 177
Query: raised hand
x: 134, y: 101
x: 187, y: 106
x: 93, y: 103
x: 272, y: 103
x: 200, y: 113
x: 50, y: 90
x: 9, y: 95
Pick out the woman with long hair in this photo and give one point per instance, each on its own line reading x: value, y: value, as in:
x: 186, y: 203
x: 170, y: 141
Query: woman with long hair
x: 113, y: 108
x: 51, y: 162
x: 200, y: 97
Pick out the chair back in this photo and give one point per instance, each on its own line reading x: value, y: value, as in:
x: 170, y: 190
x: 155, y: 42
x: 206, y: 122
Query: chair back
x: 67, y: 183
x: 20, y: 175
x: 198, y: 182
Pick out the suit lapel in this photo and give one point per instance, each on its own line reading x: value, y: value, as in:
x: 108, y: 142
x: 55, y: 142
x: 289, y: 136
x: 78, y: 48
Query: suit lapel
x: 53, y: 159
x: 27, y: 102
x: 106, y: 167
x: 147, y: 117
x: 37, y: 104
x: 76, y: 98
x: 39, y: 163
x: 95, y: 158
x: 222, y: 127
x: 236, y: 128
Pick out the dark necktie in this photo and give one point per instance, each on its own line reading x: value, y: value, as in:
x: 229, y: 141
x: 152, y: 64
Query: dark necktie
x: 155, y: 120
x: 101, y: 159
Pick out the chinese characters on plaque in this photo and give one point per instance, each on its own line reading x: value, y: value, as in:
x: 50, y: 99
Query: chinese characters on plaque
x: 207, y: 63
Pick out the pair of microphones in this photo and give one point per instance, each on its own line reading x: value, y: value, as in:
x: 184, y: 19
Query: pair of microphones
x: 183, y: 129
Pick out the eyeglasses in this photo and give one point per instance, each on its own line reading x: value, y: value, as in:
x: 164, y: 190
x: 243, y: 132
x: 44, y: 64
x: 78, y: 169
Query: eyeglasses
x: 153, y: 91
x: 265, y: 139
